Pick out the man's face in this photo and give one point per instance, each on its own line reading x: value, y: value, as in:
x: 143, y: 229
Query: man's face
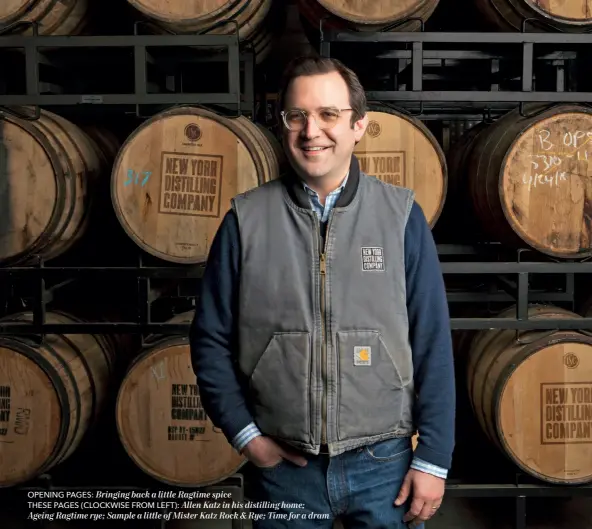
x: 316, y: 151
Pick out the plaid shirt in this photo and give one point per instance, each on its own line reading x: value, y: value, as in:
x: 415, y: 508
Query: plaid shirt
x: 324, y: 211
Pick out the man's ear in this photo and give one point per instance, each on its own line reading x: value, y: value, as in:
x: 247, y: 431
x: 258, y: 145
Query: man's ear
x: 360, y: 127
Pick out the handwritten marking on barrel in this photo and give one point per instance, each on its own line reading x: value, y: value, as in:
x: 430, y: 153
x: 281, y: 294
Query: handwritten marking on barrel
x: 566, y: 413
x: 158, y: 371
x: 190, y: 184
x: 134, y: 177
x: 557, y: 161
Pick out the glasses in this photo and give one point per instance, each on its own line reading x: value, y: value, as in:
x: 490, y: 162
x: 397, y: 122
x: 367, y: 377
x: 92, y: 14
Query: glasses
x: 326, y: 118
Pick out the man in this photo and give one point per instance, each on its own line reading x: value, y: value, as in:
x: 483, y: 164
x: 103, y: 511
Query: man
x: 321, y: 340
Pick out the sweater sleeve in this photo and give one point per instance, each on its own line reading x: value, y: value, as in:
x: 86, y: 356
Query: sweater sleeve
x: 213, y: 337
x: 431, y: 343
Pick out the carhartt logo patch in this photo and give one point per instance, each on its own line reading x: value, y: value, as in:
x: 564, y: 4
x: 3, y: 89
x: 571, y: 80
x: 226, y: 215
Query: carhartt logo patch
x: 372, y: 259
x: 362, y: 356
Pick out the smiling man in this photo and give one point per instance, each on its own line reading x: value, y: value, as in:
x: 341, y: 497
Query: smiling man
x: 321, y: 340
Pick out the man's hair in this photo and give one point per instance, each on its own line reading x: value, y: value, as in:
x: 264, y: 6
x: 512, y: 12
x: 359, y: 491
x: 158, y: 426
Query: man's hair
x: 314, y: 65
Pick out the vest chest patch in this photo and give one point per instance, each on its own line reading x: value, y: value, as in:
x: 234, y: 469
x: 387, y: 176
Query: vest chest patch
x: 372, y: 259
x: 362, y: 356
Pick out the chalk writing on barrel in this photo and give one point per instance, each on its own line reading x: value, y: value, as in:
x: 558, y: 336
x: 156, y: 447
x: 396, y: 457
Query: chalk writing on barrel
x: 137, y: 177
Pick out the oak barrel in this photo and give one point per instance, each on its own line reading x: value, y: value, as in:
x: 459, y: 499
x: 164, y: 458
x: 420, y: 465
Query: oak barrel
x: 532, y: 396
x: 253, y: 18
x: 50, y: 395
x: 400, y: 150
x: 367, y: 15
x: 54, y: 17
x: 161, y: 421
x: 528, y: 179
x: 174, y: 177
x: 106, y: 140
x: 510, y: 15
x: 47, y: 167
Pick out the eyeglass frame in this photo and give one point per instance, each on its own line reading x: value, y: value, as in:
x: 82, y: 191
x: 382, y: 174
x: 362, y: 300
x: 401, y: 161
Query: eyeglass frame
x: 308, y: 114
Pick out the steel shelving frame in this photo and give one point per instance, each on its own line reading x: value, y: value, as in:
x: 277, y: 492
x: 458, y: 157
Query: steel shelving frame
x: 234, y: 97
x: 466, y: 104
x: 38, y: 274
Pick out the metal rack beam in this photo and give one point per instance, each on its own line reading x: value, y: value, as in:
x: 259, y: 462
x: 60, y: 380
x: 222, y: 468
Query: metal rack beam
x: 37, y: 275
x: 140, y: 45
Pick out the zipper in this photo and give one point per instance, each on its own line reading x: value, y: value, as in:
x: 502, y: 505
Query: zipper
x: 323, y: 272
x: 323, y: 265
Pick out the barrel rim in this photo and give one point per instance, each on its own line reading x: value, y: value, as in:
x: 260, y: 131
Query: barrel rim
x: 376, y: 21
x: 60, y: 180
x: 549, y: 112
x: 135, y: 456
x: 549, y: 17
x: 27, y: 6
x: 229, y: 5
x: 527, y: 352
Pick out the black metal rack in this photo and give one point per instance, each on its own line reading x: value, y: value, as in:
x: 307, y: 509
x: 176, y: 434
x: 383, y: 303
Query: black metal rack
x: 144, y: 48
x: 522, y: 271
x: 484, y: 93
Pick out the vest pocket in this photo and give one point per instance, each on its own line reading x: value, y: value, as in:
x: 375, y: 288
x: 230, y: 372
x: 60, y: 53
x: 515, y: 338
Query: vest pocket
x: 280, y: 386
x: 370, y: 390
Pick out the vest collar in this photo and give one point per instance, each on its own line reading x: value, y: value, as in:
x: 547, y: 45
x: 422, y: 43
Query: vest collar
x: 300, y: 197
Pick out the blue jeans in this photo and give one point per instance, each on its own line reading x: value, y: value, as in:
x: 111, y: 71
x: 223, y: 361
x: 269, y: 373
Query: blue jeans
x: 359, y: 487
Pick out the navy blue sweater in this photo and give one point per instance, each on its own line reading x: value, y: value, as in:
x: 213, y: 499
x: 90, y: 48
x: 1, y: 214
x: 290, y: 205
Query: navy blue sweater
x: 213, y: 339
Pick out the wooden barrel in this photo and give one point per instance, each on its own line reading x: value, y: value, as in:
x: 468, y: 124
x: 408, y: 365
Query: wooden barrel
x: 529, y: 181
x: 367, y: 15
x: 254, y: 19
x: 161, y: 422
x: 174, y: 177
x: 54, y: 17
x: 46, y: 168
x: 509, y: 15
x: 106, y: 140
x: 452, y: 225
x: 50, y: 395
x: 400, y: 150
x: 532, y: 396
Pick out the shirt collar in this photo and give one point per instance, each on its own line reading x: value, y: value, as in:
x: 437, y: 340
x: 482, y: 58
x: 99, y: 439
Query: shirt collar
x: 338, y: 190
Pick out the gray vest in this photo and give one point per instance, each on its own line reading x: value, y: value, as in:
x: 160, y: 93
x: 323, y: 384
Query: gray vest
x: 323, y: 328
